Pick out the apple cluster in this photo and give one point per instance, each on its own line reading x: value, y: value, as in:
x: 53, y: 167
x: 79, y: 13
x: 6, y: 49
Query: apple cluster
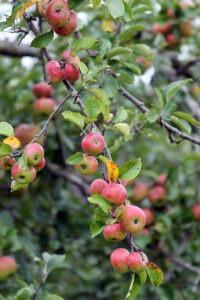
x: 8, y: 266
x: 58, y: 14
x: 44, y: 104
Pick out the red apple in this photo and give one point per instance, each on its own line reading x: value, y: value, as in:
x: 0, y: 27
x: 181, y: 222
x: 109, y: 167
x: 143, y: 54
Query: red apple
x: 196, y: 211
x: 161, y: 179
x: 40, y: 166
x: 162, y: 28
x: 71, y: 72
x: 97, y: 186
x: 70, y: 27
x: 7, y: 162
x: 119, y: 260
x: 34, y: 153
x: 137, y: 261
x: 42, y: 89
x: 115, y: 193
x: 93, y: 143
x: 113, y: 233
x: 8, y: 266
x: 54, y: 71
x: 157, y: 195
x: 149, y: 216
x: 45, y: 106
x: 21, y: 175
x: 140, y: 191
x: 132, y: 219
x: 26, y: 132
x: 57, y: 13
x: 66, y: 55
x: 172, y: 39
x: 87, y: 166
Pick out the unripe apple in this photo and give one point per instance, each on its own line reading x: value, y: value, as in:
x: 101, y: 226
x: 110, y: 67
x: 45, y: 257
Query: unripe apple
x: 113, y: 233
x: 119, y: 260
x: 26, y: 132
x: 157, y: 195
x: 186, y: 28
x: 93, y: 143
x: 42, y: 89
x: 44, y: 105
x: 161, y: 179
x: 132, y: 219
x: 162, y: 28
x: 8, y: 266
x: 21, y: 175
x: 97, y: 186
x: 40, y: 166
x: 87, y: 166
x: 71, y: 72
x: 149, y: 216
x: 54, y: 71
x: 115, y: 193
x: 140, y: 191
x: 70, y: 27
x: 7, y: 162
x: 57, y: 13
x: 66, y: 55
x: 196, y: 211
x: 137, y: 261
x: 34, y: 153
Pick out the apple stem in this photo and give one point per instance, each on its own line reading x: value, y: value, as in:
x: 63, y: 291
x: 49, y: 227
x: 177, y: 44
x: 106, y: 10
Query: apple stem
x: 134, y: 248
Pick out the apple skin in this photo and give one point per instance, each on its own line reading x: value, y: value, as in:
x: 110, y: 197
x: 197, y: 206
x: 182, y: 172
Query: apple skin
x: 196, y: 211
x: 70, y: 27
x: 97, y: 186
x: 149, y: 216
x: 172, y: 39
x: 115, y: 193
x: 186, y: 28
x: 42, y: 89
x: 162, y: 28
x: 137, y: 261
x: 54, y: 71
x: 157, y: 195
x: 140, y: 191
x: 113, y: 233
x: 71, y: 72
x: 93, y: 143
x: 119, y: 260
x: 6, y: 163
x: 161, y: 179
x: 40, y: 166
x: 87, y: 166
x: 8, y: 266
x: 26, y: 132
x: 132, y: 219
x: 66, y: 55
x: 57, y: 13
x: 23, y: 176
x: 34, y: 153
x: 44, y: 106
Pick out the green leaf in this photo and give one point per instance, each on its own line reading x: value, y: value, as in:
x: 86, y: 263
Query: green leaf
x: 93, y: 107
x: 119, y: 50
x: 142, y: 276
x: 22, y: 161
x: 120, y: 116
x: 184, y: 125
x: 152, y: 116
x: 101, y: 202
x: 75, y: 158
x: 160, y: 98
x: 134, y: 288
x: 96, y: 3
x: 140, y: 8
x: 83, y: 68
x: 115, y: 8
x: 103, y: 158
x: 155, y: 274
x: 74, y: 117
x: 131, y: 66
x: 122, y: 127
x: 53, y: 261
x: 42, y: 40
x: 5, y: 150
x: 110, y: 85
x: 130, y: 169
x: 53, y: 297
x: 101, y: 95
x: 25, y: 293
x: 84, y: 43
x: 143, y: 50
x: 169, y: 108
x: 6, y: 129
x: 174, y: 87
x: 17, y: 186
x: 96, y: 228
x: 186, y: 117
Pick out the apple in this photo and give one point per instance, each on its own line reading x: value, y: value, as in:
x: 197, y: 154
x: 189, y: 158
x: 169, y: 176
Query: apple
x: 8, y: 266
x: 161, y: 179
x: 196, y: 211
x: 42, y: 89
x: 172, y: 39
x: 66, y: 55
x: 149, y: 216
x: 137, y: 261
x: 162, y: 28
x: 113, y: 233
x: 93, y: 143
x: 71, y: 72
x: 68, y: 28
x: 26, y: 132
x: 87, y: 166
x: 186, y: 28
x: 34, y: 153
x: 143, y: 62
x: 97, y: 186
x: 132, y: 219
x: 22, y: 175
x: 119, y: 260
x: 6, y: 163
x: 44, y: 105
x: 54, y: 71
x: 157, y: 195
x: 115, y: 193
x: 40, y: 166
x: 42, y: 5
x: 140, y: 191
x: 57, y: 13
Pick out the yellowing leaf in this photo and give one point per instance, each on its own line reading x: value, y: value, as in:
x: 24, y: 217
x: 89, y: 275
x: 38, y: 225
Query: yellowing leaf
x: 113, y: 171
x: 25, y: 6
x: 12, y: 141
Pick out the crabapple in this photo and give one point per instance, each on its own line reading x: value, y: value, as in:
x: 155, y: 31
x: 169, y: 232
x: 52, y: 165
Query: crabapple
x: 40, y: 166
x: 44, y: 105
x: 87, y: 166
x: 113, y: 233
x: 69, y: 27
x: 149, y: 216
x: 172, y: 39
x: 157, y: 195
x: 7, y: 162
x: 57, y: 13
x: 66, y: 55
x: 186, y: 28
x: 137, y: 261
x: 115, y: 193
x: 161, y: 179
x: 23, y: 175
x: 71, y: 72
x: 140, y: 191
x: 196, y: 211
x: 34, y: 153
x: 97, y: 186
x: 7, y: 266
x: 132, y: 219
x: 119, y: 260
x: 26, y: 132
x: 93, y: 143
x: 42, y: 89
x: 54, y: 71
x: 162, y: 28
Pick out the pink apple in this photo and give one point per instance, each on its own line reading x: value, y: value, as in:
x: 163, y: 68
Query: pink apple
x: 71, y: 72
x: 161, y: 179
x: 23, y: 176
x: 34, y: 153
x: 57, y: 13
x: 137, y: 261
x: 40, y: 166
x: 119, y: 260
x: 87, y: 166
x: 132, y: 219
x: 70, y: 27
x: 7, y: 162
x: 115, y: 193
x: 149, y: 216
x: 45, y: 106
x: 113, y: 233
x: 66, y: 55
x: 54, y: 71
x: 93, y: 143
x: 8, y: 266
x: 42, y: 89
x: 157, y: 195
x: 97, y: 186
x: 140, y: 191
x: 196, y: 211
x: 26, y: 132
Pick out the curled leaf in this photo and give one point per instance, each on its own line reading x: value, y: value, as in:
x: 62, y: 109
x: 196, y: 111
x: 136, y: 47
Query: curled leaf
x: 113, y: 171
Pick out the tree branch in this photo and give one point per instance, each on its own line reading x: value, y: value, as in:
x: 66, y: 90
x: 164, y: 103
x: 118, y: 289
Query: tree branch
x: 11, y: 49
